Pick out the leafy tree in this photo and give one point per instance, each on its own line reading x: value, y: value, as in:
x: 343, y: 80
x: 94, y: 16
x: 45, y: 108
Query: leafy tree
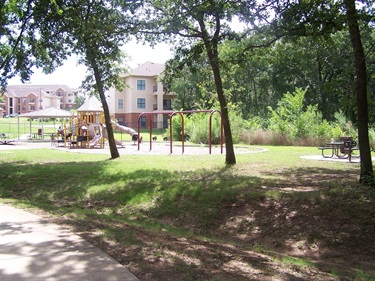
x: 79, y: 101
x: 192, y: 85
x: 201, y: 27
x: 94, y: 34
x: 29, y: 37
x: 41, y: 33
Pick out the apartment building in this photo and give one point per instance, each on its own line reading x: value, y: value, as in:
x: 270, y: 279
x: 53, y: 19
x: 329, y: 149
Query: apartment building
x: 144, y: 93
x: 27, y: 98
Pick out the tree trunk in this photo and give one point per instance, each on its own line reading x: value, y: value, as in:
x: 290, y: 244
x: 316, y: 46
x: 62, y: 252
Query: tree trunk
x: 112, y: 144
x: 211, y: 46
x: 230, y: 156
x: 367, y: 173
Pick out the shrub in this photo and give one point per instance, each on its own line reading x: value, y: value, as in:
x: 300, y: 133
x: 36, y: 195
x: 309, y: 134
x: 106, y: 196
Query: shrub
x: 372, y: 139
x: 346, y: 127
x: 177, y: 128
x: 287, y: 118
x: 198, y: 128
x: 303, y: 125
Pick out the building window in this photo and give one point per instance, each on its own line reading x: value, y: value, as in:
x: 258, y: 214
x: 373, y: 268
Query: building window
x: 142, y: 121
x: 141, y: 85
x: 121, y: 120
x: 60, y: 94
x: 120, y: 104
x: 23, y: 100
x: 167, y: 104
x: 31, y: 99
x: 141, y: 103
x: 32, y: 108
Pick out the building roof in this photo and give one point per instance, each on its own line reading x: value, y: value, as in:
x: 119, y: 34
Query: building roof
x: 50, y: 112
x: 148, y: 69
x: 91, y: 105
x: 24, y: 90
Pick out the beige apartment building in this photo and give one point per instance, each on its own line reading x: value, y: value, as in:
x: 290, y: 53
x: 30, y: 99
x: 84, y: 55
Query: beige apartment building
x: 143, y: 93
x: 27, y: 98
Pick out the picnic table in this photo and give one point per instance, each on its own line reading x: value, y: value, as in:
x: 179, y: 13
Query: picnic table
x: 341, y: 149
x: 36, y: 136
x: 4, y: 139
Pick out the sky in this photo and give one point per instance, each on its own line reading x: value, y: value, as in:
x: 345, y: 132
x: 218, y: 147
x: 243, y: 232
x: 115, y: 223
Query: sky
x: 72, y: 74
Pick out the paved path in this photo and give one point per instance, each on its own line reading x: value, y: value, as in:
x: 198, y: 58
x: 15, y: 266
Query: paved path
x: 33, y: 249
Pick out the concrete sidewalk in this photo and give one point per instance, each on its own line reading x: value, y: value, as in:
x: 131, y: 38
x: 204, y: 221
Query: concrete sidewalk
x: 33, y: 249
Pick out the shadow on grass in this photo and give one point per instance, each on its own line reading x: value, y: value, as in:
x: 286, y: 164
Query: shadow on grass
x: 315, y: 213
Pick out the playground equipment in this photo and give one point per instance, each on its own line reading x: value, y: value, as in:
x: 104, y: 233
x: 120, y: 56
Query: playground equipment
x: 181, y: 113
x: 126, y: 130
x: 87, y: 128
x: 95, y: 133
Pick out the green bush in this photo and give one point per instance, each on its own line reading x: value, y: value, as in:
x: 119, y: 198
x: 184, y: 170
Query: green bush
x: 293, y: 120
x: 372, y: 139
x: 198, y: 128
x: 291, y: 123
x: 288, y: 118
x: 177, y: 127
x: 346, y: 127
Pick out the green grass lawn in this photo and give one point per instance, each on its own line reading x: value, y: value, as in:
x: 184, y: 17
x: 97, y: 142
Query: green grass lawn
x: 151, y: 203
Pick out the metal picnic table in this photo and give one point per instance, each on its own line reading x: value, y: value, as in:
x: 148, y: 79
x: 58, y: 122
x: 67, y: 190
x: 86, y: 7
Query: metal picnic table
x: 341, y: 149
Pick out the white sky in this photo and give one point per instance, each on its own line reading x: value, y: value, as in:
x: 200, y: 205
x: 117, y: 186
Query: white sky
x: 72, y: 74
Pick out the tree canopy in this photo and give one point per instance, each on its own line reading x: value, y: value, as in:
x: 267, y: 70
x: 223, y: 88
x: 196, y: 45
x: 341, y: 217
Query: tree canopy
x: 96, y: 31
x: 28, y: 38
x: 42, y: 33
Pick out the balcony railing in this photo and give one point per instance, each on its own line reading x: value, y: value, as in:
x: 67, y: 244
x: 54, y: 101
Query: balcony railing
x: 165, y: 107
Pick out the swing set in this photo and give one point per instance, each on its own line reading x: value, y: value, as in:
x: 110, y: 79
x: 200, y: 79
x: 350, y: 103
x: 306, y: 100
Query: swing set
x: 181, y: 113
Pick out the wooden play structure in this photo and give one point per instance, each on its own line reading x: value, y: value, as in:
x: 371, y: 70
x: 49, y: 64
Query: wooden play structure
x: 85, y: 129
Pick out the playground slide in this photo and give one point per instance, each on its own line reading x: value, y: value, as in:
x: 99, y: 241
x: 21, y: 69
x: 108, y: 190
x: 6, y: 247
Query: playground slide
x: 116, y: 141
x: 126, y: 130
x: 103, y: 133
x: 97, y: 137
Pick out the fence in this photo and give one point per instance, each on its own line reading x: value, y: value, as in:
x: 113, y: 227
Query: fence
x: 24, y: 127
